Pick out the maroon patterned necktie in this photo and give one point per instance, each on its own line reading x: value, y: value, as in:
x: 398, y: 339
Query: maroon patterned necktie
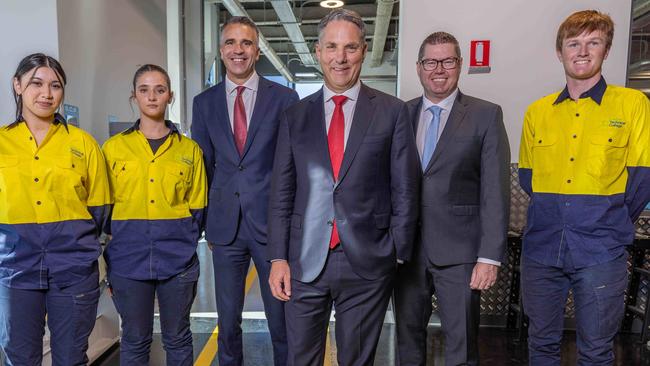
x: 239, y: 125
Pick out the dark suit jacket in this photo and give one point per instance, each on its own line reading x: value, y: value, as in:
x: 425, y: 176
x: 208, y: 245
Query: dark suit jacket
x: 238, y: 185
x: 374, y: 201
x: 465, y: 198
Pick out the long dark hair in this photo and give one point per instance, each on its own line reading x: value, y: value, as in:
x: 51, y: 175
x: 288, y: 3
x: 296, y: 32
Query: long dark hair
x: 34, y: 62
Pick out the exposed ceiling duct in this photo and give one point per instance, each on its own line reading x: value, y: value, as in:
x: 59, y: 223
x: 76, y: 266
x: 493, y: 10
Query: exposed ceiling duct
x: 235, y: 8
x: 382, y: 21
x: 640, y: 9
x: 291, y: 26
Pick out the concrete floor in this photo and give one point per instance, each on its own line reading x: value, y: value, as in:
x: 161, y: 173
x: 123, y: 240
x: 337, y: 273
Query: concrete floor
x: 497, y: 345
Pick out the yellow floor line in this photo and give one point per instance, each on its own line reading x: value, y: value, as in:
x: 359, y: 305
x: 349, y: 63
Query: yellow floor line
x: 328, y: 349
x: 209, y: 351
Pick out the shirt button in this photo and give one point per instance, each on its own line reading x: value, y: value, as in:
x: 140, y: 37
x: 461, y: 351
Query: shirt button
x: 568, y: 180
x: 38, y: 203
x: 575, y: 136
x: 36, y: 180
x: 152, y: 201
x: 181, y: 173
x: 73, y: 165
x: 36, y: 157
x: 539, y: 142
x: 610, y: 140
x: 151, y: 180
x: 153, y: 161
x: 577, y: 114
x: 571, y: 159
x: 567, y: 204
x: 30, y: 138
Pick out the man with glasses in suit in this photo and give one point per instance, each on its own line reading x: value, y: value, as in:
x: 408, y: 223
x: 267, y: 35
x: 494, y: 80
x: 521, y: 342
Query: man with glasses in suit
x: 464, y: 207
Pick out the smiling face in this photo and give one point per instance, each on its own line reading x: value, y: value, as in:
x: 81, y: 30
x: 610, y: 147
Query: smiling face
x: 582, y: 56
x: 41, y: 91
x: 340, y: 51
x: 152, y: 94
x: 239, y: 51
x: 439, y: 83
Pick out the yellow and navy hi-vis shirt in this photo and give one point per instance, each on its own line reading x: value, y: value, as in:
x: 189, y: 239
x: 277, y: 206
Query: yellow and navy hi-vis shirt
x: 586, y: 165
x: 159, y: 199
x: 53, y: 200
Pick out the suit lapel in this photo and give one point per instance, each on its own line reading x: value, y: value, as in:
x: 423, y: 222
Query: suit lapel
x: 223, y: 120
x: 316, y: 131
x: 363, y: 113
x: 414, y: 112
x: 259, y: 112
x: 455, y: 119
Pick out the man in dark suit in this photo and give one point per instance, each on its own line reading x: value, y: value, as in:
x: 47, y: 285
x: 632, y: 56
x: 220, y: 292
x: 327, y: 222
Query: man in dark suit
x: 463, y: 209
x: 343, y: 206
x: 236, y: 124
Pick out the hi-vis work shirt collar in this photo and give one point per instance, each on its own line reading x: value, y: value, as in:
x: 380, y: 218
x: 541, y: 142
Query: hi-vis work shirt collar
x: 169, y: 124
x: 596, y: 93
x: 145, y: 143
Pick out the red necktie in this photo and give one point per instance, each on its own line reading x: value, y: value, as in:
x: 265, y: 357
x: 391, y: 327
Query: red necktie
x: 239, y: 125
x: 335, y: 142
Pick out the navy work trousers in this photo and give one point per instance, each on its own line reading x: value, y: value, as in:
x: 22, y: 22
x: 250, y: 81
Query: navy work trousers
x: 134, y: 300
x: 599, y: 295
x: 71, y: 313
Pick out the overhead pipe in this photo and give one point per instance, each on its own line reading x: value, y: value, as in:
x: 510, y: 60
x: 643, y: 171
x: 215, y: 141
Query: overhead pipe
x: 290, y: 23
x: 382, y: 21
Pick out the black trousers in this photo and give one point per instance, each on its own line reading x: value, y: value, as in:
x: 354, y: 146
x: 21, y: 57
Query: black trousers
x: 458, y: 305
x: 360, y: 307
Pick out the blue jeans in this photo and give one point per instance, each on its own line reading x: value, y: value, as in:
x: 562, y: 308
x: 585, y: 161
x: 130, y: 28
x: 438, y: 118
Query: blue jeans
x: 71, y: 313
x: 134, y: 300
x: 599, y: 296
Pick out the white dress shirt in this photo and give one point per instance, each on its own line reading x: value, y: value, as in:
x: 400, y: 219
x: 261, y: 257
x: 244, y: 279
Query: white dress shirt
x: 421, y: 134
x: 249, y: 95
x: 348, y: 107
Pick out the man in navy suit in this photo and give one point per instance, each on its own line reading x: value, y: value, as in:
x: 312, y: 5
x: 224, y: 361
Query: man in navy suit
x: 343, y: 208
x: 236, y: 124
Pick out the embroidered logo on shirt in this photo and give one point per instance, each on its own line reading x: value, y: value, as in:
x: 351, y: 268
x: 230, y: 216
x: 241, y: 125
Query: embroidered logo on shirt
x: 616, y: 123
x: 76, y: 152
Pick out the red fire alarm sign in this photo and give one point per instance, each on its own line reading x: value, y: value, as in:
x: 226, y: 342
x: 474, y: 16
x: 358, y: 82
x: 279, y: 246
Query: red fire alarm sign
x: 479, y: 57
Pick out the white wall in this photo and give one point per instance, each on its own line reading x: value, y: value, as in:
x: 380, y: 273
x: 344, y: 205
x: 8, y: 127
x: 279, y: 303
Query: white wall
x: 102, y: 43
x: 523, y: 59
x: 26, y: 26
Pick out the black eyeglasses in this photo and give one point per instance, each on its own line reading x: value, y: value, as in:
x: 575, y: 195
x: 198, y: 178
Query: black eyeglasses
x: 430, y: 64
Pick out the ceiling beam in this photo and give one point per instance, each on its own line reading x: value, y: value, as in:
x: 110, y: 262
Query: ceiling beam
x: 290, y: 24
x: 262, y: 23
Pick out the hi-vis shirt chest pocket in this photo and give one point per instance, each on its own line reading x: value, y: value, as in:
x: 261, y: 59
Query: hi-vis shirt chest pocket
x: 545, y: 153
x: 69, y: 178
x: 124, y: 178
x: 176, y: 181
x: 607, y: 155
x: 8, y: 174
